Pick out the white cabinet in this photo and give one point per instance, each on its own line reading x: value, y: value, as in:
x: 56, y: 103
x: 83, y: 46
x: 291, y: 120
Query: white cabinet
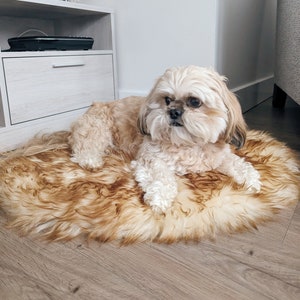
x: 65, y: 82
x: 45, y: 91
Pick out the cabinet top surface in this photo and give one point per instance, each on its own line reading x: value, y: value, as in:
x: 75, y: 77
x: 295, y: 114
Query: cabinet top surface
x: 26, y: 54
x: 48, y: 8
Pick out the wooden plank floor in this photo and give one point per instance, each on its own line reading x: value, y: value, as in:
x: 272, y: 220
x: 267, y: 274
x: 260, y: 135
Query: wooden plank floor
x: 256, y: 265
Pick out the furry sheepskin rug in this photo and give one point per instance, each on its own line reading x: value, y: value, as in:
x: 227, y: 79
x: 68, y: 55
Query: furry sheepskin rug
x: 43, y: 193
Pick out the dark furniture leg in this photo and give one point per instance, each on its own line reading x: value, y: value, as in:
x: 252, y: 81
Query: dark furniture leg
x: 279, y: 97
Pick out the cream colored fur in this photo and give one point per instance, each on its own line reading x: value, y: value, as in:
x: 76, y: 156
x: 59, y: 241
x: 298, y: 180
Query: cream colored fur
x: 185, y: 126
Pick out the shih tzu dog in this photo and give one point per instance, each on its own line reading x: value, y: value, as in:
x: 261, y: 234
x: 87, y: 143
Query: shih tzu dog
x: 185, y: 125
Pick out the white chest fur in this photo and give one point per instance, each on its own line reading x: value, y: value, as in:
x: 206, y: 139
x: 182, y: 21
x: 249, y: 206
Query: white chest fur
x: 189, y: 159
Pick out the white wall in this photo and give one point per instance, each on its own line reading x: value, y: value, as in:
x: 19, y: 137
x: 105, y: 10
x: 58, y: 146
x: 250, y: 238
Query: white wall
x: 236, y: 37
x: 156, y: 34
x: 246, y: 40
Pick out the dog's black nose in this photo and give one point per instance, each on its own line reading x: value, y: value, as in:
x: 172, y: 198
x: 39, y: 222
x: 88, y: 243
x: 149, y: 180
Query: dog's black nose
x: 175, y: 113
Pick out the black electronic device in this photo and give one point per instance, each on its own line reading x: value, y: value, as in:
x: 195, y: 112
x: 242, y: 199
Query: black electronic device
x: 42, y: 43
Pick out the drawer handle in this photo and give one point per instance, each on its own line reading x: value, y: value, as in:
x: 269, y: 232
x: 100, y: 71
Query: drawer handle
x: 66, y: 64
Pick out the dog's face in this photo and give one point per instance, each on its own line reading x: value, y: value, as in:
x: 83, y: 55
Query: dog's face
x: 191, y: 105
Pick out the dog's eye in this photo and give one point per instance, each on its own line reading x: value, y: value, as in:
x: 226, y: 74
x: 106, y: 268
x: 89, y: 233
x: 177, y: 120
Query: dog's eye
x: 193, y: 102
x: 168, y: 100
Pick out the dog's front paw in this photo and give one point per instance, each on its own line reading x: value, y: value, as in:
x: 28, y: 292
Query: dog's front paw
x: 159, y: 196
x: 254, y: 188
x: 158, y: 182
x: 157, y: 204
x: 253, y: 183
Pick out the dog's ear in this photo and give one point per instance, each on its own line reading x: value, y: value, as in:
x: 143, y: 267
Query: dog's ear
x: 145, y: 110
x: 141, y: 121
x: 236, y: 128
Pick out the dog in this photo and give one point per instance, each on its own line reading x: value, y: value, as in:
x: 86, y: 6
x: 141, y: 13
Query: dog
x: 186, y: 124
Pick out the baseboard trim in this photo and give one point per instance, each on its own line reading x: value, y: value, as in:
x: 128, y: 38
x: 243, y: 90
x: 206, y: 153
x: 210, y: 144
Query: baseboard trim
x: 254, y: 93
x: 244, y: 86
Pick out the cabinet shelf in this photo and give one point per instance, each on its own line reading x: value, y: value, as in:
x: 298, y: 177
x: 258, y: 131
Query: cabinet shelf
x: 58, y: 18
x: 46, y: 9
x: 36, y: 98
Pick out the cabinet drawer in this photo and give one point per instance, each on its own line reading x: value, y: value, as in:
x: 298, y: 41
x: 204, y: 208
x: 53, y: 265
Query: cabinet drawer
x: 44, y: 86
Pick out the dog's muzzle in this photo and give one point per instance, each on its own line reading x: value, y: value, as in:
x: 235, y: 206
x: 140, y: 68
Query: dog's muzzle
x: 175, y: 116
